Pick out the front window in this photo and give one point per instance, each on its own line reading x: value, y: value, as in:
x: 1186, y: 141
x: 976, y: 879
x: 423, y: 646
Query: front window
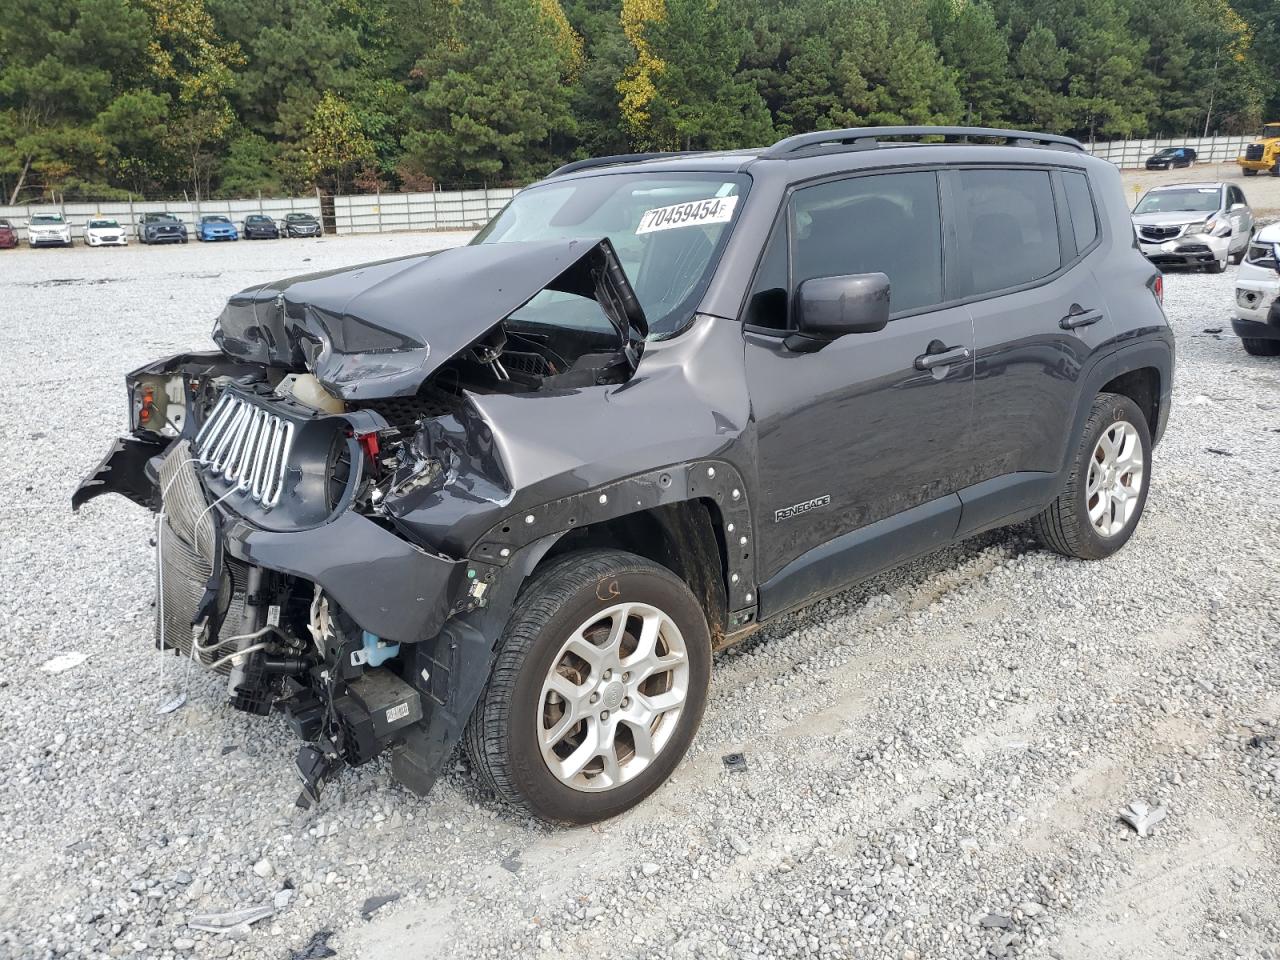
x: 47, y: 218
x: 1182, y: 200
x: 216, y: 220
x: 103, y: 224
x: 668, y: 230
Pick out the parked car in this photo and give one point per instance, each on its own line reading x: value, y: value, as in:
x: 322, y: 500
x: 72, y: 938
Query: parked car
x: 161, y: 228
x: 301, y: 225
x: 48, y: 230
x: 516, y: 493
x: 105, y: 233
x: 1257, y: 311
x: 216, y: 227
x: 1194, y: 224
x: 1171, y: 157
x: 8, y: 235
x: 259, y: 227
x: 1263, y: 154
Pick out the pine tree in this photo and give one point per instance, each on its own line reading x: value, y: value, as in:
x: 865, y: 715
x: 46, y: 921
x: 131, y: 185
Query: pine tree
x: 492, y: 97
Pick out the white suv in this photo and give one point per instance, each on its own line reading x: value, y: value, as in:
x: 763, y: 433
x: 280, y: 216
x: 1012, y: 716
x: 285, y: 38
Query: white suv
x: 48, y: 230
x: 1194, y: 224
x: 1257, y: 316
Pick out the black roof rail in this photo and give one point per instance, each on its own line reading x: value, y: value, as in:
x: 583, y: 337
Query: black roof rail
x: 590, y: 162
x: 867, y: 137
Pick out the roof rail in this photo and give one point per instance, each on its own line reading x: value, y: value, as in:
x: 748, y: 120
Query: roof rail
x: 858, y: 138
x: 590, y: 162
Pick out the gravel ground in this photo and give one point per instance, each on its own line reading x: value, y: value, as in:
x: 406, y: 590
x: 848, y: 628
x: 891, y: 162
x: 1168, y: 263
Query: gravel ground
x: 934, y: 760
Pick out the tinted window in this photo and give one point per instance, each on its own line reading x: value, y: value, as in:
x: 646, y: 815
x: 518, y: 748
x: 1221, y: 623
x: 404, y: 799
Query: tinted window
x: 1008, y: 227
x: 887, y: 223
x: 1084, y: 221
x: 767, y: 306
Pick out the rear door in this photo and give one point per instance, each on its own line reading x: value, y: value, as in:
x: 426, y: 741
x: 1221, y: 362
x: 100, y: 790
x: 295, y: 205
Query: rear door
x: 1025, y: 239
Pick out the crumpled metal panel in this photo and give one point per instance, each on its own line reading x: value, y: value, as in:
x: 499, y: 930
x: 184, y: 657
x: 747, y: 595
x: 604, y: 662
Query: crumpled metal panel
x: 380, y: 329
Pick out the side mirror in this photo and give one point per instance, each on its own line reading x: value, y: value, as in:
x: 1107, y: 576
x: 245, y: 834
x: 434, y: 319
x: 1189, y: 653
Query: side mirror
x: 1239, y: 206
x: 830, y: 307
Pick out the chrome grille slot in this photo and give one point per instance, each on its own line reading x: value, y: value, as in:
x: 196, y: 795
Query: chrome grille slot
x: 248, y: 445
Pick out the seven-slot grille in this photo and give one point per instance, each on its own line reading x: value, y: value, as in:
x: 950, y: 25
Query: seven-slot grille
x: 248, y: 445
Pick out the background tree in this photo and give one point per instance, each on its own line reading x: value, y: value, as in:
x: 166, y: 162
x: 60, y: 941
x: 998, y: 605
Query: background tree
x: 193, y: 67
x: 58, y: 75
x: 335, y: 146
x: 493, y: 97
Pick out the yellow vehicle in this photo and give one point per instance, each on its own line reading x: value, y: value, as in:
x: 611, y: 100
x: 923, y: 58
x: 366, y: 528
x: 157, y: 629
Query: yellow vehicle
x: 1263, y: 154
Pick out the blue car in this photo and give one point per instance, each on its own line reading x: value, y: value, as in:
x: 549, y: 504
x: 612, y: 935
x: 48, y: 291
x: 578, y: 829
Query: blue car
x: 215, y: 227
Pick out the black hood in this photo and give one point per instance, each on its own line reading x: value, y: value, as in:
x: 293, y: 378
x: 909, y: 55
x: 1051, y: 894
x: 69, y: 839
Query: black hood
x: 380, y: 329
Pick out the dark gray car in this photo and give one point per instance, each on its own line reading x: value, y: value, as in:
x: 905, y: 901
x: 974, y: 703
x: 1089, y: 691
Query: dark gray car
x: 515, y: 494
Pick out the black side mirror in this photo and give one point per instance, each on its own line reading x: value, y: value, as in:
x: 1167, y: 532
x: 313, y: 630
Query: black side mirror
x: 830, y: 307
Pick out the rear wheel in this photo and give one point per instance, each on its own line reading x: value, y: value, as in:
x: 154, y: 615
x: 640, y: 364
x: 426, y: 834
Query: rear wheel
x: 1100, y: 506
x: 597, y: 690
x: 1257, y: 347
x: 1250, y: 173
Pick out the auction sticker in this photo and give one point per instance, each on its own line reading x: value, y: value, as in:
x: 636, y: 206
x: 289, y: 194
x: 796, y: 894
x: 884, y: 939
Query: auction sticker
x: 695, y: 213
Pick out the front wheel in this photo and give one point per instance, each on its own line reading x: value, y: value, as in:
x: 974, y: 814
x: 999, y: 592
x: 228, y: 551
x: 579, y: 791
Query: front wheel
x: 1257, y: 347
x: 597, y: 690
x: 1100, y: 506
x: 1250, y: 173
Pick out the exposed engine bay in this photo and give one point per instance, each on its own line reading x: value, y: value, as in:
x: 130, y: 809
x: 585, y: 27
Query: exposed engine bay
x: 291, y: 474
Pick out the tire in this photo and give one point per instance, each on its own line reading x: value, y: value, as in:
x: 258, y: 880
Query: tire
x: 1238, y: 257
x: 1257, y: 347
x: 1065, y: 526
x: 1216, y: 266
x: 1275, y: 170
x: 1250, y: 173
x: 572, y: 598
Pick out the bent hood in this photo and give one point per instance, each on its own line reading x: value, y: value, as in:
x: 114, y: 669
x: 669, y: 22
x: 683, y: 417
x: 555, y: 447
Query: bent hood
x: 380, y: 329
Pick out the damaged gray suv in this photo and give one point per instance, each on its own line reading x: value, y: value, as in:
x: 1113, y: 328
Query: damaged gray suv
x: 514, y: 495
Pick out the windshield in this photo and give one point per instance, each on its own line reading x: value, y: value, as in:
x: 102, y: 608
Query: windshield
x: 1167, y: 152
x: 103, y: 224
x: 299, y: 216
x: 152, y: 217
x: 1270, y: 130
x: 668, y: 230
x: 216, y: 220
x: 1188, y: 200
x: 47, y: 218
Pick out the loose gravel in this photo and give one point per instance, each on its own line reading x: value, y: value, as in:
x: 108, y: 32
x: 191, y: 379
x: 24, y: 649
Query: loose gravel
x: 934, y: 761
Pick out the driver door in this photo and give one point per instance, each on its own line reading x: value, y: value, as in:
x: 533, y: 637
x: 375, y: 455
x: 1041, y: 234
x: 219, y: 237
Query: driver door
x: 862, y: 444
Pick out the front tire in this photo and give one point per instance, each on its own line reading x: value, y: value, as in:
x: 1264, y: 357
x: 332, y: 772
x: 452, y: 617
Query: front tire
x: 597, y: 689
x: 1257, y: 347
x: 1101, y: 505
x: 1250, y: 173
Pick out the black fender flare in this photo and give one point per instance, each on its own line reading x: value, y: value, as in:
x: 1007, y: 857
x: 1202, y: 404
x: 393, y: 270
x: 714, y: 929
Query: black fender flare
x: 1153, y: 352
x: 451, y: 671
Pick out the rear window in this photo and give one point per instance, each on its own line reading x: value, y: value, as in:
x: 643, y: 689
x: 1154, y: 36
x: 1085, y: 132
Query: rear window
x: 1084, y: 218
x: 1008, y: 226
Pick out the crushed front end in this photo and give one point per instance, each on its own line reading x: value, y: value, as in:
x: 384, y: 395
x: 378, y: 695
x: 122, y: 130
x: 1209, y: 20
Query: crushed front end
x: 318, y: 484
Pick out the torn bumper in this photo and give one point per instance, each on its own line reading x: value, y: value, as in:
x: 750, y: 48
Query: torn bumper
x: 387, y: 585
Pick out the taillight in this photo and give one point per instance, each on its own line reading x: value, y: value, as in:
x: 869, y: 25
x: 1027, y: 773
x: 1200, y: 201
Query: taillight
x: 1157, y: 287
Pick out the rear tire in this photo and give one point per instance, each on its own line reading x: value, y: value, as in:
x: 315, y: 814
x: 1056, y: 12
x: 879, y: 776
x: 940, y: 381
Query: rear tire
x: 1250, y: 173
x: 1257, y: 347
x: 1100, y: 506
x: 602, y: 604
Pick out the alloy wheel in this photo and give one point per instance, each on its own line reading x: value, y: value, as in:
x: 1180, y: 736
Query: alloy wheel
x: 612, y: 698
x: 1115, y: 477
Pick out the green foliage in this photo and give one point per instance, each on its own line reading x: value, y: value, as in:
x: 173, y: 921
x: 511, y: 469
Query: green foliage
x: 236, y: 97
x: 492, y: 102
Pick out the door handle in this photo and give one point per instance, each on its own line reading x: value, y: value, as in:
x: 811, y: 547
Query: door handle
x: 940, y: 358
x: 1078, y: 316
